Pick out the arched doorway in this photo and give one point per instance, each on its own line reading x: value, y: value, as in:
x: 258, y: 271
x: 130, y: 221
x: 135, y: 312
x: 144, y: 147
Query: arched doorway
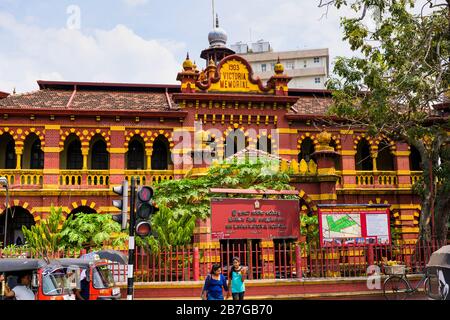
x: 17, y: 217
x: 161, y: 156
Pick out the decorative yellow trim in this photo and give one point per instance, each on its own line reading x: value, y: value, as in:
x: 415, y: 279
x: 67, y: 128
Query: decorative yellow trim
x: 117, y: 128
x: 401, y: 153
x: 406, y: 206
x: 184, y: 129
x: 51, y: 186
x: 326, y: 171
x: 404, y: 172
x: 287, y: 152
x: 202, y: 230
x: 409, y: 230
x: 52, y: 149
x: 323, y: 197
x: 117, y: 171
x: 349, y: 186
x: 348, y: 152
x: 348, y: 172
x: 346, y: 131
x: 51, y: 171
x: 286, y: 131
x: 108, y: 209
x: 52, y: 127
x: 117, y: 150
x: 406, y: 185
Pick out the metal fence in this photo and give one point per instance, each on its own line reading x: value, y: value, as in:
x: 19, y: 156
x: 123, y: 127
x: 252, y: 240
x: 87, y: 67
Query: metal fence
x: 283, y: 260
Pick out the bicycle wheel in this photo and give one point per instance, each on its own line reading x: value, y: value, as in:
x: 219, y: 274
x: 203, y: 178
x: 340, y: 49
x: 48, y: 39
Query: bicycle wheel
x: 431, y: 284
x: 396, y: 288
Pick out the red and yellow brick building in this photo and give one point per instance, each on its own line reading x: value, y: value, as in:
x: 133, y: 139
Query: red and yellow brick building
x: 69, y: 143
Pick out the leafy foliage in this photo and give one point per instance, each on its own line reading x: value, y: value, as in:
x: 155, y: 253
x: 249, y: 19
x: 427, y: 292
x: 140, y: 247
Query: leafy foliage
x: 184, y: 201
x: 85, y: 231
x: 44, y: 239
x: 392, y: 87
x: 91, y: 231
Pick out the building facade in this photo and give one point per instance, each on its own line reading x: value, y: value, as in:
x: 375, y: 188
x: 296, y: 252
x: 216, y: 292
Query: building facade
x: 309, y: 69
x: 69, y: 143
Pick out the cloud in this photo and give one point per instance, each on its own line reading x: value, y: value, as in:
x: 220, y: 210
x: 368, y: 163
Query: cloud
x: 116, y: 55
x: 135, y: 3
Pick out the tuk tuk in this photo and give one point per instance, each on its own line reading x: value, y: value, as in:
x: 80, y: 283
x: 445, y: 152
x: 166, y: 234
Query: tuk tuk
x: 439, y: 265
x: 50, y: 281
x: 97, y: 283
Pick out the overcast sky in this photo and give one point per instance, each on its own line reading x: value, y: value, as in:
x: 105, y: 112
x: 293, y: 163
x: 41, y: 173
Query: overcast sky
x: 144, y: 41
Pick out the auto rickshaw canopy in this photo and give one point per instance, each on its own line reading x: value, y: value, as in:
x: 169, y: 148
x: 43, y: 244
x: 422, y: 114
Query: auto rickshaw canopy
x: 440, y: 258
x: 13, y: 265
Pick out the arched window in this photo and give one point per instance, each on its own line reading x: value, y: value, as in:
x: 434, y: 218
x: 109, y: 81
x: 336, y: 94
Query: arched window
x: 385, y: 159
x: 74, y: 155
x: 235, y: 142
x: 161, y: 157
x: 35, y: 154
x: 265, y: 144
x: 307, y: 149
x: 415, y: 160
x: 363, y: 159
x: 135, y: 155
x: 337, y: 158
x: 99, y: 156
x: 11, y: 158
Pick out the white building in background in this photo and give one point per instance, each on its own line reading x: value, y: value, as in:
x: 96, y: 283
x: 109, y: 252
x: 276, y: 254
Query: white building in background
x: 309, y: 69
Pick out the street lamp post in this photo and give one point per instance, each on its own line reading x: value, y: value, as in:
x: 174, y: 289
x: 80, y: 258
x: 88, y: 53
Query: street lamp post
x: 4, y: 183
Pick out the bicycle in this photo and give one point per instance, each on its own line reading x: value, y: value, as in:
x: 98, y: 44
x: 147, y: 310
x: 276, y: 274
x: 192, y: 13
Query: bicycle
x: 398, y: 287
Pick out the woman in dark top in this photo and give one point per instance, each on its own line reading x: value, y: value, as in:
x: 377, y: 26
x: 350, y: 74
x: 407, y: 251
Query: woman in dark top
x: 215, y: 283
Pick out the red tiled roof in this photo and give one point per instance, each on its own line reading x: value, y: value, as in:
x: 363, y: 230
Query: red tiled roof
x: 3, y: 94
x: 89, y: 100
x: 311, y: 106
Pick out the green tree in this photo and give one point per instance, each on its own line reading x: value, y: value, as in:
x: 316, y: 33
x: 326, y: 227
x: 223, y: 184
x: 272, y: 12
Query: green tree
x: 394, y: 85
x: 44, y: 239
x: 184, y: 201
x: 91, y: 231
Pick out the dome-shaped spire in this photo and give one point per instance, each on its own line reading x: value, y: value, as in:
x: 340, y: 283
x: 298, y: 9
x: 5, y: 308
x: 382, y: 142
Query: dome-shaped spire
x: 187, y: 64
x: 279, y: 68
x: 218, y: 37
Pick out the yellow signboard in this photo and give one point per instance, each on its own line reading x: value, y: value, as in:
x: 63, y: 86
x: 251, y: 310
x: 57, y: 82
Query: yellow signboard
x: 234, y: 77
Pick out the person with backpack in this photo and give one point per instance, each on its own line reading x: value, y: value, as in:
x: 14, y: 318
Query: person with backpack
x: 215, y: 283
x: 236, y: 280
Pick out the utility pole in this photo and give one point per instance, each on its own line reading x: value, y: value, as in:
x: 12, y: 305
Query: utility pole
x: 4, y: 183
x: 131, y: 242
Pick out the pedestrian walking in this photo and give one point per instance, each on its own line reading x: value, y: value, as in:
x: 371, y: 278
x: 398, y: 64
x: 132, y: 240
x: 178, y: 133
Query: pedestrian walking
x: 215, y: 283
x: 236, y: 279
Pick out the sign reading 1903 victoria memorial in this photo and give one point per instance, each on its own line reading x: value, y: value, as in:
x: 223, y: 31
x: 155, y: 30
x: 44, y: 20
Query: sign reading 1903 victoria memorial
x: 254, y: 218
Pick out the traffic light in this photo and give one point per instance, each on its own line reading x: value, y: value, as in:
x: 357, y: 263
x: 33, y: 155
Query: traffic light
x: 121, y: 204
x: 144, y: 211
